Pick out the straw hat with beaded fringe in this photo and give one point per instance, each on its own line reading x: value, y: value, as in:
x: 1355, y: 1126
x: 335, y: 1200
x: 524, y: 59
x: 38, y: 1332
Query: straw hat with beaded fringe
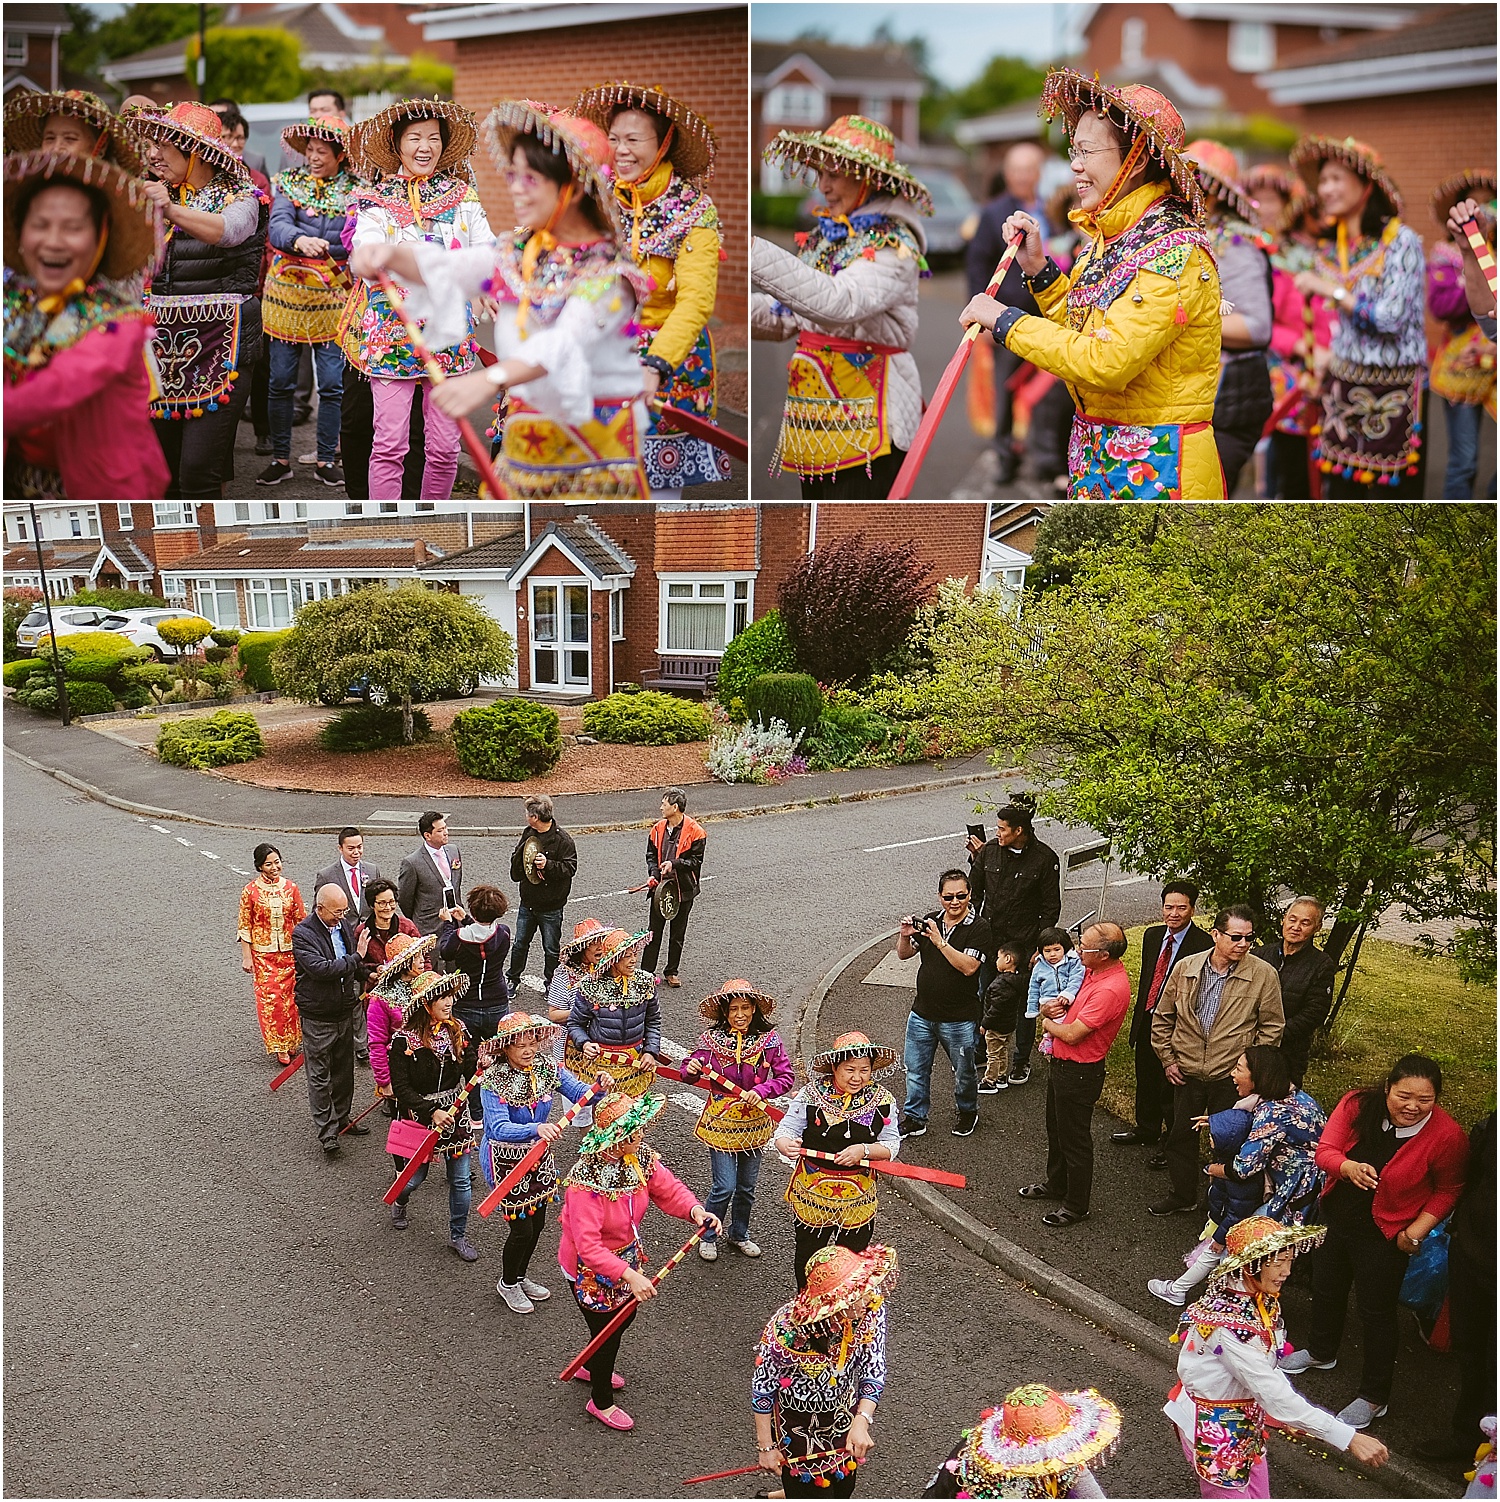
x: 691, y: 150
x: 1218, y: 175
x: 195, y: 130
x: 1309, y: 154
x: 373, y: 142
x: 852, y: 147
x: 580, y: 140
x: 26, y: 116
x: 331, y: 128
x: 1474, y: 182
x: 1037, y: 1433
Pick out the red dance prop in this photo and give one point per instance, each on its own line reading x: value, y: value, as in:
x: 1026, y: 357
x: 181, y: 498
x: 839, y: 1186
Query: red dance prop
x: 896, y: 1170
x: 532, y: 1158
x: 428, y: 1143
x: 701, y: 427
x: 1481, y: 253
x: 362, y: 1115
x: 476, y: 450
x: 288, y: 1072
x: 720, y: 1085
x: 746, y: 1470
x: 581, y: 1359
x: 927, y: 430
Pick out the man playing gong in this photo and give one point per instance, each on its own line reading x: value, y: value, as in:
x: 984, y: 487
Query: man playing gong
x: 543, y: 866
x: 674, y: 866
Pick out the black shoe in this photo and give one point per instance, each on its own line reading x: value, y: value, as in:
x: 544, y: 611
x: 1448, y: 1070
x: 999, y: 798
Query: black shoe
x: 331, y: 1147
x: 274, y: 473
x: 1173, y: 1206
x: 1449, y: 1450
x: 1037, y: 1192
x: 1157, y: 1162
x: 363, y: 1060
x: 1063, y: 1217
x: 1132, y: 1138
x: 356, y: 1129
x: 398, y: 1215
x: 967, y: 1121
x: 992, y: 1087
x: 263, y: 447
x: 328, y: 474
x: 909, y: 1126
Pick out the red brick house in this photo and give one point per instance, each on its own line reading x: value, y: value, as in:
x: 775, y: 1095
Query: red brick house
x: 695, y: 49
x: 117, y: 545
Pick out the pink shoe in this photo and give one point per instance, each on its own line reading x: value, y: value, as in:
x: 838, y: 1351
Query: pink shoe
x: 616, y: 1381
x: 613, y: 1418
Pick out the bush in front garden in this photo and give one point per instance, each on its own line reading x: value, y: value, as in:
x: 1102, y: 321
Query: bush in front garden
x: 216, y: 740
x: 224, y: 638
x: 762, y: 647
x: 256, y: 648
x: 507, y: 741
x: 217, y: 654
x: 849, y: 734
x: 115, y: 599
x: 14, y: 674
x: 792, y: 698
x: 756, y: 753
x: 371, y: 727
x: 152, y: 679
x: 646, y: 718
x: 88, y: 697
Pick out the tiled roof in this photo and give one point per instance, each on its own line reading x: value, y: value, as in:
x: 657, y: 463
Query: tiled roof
x: 130, y: 555
x: 26, y: 16
x: 67, y: 555
x: 595, y: 546
x: 1448, y: 29
x: 712, y: 541
x: 279, y: 554
x: 498, y: 553
x: 890, y: 63
x: 583, y: 537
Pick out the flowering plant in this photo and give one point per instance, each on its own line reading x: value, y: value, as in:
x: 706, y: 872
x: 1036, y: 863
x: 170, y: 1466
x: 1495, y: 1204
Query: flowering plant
x: 758, y: 753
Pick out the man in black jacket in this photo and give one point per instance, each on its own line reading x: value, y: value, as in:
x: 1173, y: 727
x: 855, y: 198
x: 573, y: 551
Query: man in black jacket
x: 1022, y: 175
x: 1162, y: 945
x: 1307, y: 975
x: 542, y: 902
x: 1017, y: 886
x: 331, y: 970
x: 674, y: 852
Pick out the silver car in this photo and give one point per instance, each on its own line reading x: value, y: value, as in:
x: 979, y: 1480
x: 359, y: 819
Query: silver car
x: 139, y: 626
x: 67, y: 620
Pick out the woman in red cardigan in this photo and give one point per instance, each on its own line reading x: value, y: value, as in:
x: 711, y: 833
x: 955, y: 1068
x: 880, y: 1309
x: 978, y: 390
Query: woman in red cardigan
x: 1395, y: 1162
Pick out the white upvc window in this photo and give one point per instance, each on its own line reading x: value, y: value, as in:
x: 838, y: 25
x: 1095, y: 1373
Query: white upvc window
x: 702, y: 614
x: 18, y: 527
x: 75, y: 524
x: 175, y: 514
x: 268, y: 604
x: 1252, y: 46
x: 794, y: 104
x: 125, y: 516
x: 15, y: 49
x: 1132, y: 42
x: 216, y: 600
x: 617, y: 615
x: 560, y: 655
x: 304, y: 591
x: 876, y: 107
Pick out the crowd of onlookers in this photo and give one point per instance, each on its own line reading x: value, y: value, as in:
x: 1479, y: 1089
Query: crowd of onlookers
x: 1221, y: 1028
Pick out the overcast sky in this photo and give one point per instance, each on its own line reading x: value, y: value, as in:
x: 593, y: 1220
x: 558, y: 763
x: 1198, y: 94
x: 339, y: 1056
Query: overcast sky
x: 960, y: 37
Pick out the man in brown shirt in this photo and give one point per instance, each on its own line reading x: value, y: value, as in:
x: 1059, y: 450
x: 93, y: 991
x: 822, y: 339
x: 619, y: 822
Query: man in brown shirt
x: 1216, y: 1005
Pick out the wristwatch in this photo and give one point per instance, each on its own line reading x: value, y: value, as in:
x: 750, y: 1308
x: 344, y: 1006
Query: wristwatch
x: 1340, y: 294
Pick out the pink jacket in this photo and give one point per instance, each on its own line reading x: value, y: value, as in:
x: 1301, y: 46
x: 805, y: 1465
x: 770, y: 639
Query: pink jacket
x: 1289, y: 331
x: 86, y: 414
x: 594, y: 1226
x: 384, y: 1018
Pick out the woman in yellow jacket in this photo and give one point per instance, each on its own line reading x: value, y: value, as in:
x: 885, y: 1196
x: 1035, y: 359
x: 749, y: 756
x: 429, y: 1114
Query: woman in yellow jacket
x: 1134, y: 331
x: 663, y: 151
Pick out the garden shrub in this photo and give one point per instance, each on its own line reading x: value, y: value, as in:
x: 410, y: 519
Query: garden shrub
x: 756, y: 753
x: 792, y: 698
x: 507, y: 741
x: 217, y: 654
x: 371, y: 727
x: 104, y: 667
x: 14, y: 674
x: 762, y: 647
x: 225, y: 638
x: 646, y: 719
x: 86, y: 696
x: 17, y: 605
x: 43, y: 698
x: 150, y: 678
x: 115, y: 599
x: 256, y: 648
x: 90, y: 644
x: 216, y: 740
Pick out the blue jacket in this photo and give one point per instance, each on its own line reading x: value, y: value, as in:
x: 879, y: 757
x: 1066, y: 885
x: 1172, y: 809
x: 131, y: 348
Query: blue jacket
x: 288, y: 221
x: 635, y: 1024
x: 483, y: 963
x: 504, y: 1122
x: 1047, y: 983
x: 1232, y: 1198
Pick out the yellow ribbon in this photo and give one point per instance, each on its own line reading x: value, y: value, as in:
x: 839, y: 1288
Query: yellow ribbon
x: 414, y: 197
x: 185, y: 187
x: 57, y: 301
x: 630, y: 190
x: 1342, y: 238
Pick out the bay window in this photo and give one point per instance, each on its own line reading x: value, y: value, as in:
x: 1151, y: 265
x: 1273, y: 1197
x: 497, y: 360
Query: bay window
x: 704, y: 615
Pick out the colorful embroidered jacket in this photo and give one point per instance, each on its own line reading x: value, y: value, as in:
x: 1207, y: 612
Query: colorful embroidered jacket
x: 70, y: 377
x: 821, y: 1193
x: 516, y: 1102
x: 1383, y: 327
x: 1282, y: 1144
x: 757, y: 1063
x: 1134, y: 332
x: 451, y: 216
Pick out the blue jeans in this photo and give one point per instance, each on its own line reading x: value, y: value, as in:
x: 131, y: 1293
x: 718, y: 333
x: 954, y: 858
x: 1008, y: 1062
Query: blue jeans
x: 328, y: 364
x: 1464, y: 423
x: 922, y: 1039
x: 528, y: 923
x: 735, y: 1176
x: 459, y: 1192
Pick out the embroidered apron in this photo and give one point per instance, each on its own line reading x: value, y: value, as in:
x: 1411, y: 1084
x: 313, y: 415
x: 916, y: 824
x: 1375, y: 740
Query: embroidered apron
x: 542, y: 459
x: 734, y: 1126
x: 624, y: 1065
x: 836, y: 414
x: 1229, y: 1436
x: 197, y: 353
x: 536, y: 1187
x: 1464, y: 370
x: 675, y: 459
x: 1371, y: 414
x: 304, y: 298
x: 605, y: 1295
x: 1110, y: 461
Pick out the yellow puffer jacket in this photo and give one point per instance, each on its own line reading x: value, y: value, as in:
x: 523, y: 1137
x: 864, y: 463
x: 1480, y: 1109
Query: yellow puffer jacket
x: 672, y: 233
x: 1132, y: 361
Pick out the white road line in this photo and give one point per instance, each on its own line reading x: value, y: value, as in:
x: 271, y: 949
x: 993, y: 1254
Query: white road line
x: 160, y: 830
x: 1131, y: 881
x: 209, y: 854
x: 182, y: 841
x: 902, y: 844
x: 624, y: 892
x: 238, y: 872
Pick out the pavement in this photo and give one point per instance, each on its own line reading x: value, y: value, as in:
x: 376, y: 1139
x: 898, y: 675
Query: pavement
x: 1100, y: 1267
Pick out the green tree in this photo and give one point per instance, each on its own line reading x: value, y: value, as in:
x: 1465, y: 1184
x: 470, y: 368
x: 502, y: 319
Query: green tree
x: 405, y: 640
x: 423, y: 77
x: 138, y: 27
x: 1275, y: 699
x: 252, y: 64
x: 1070, y: 534
x: 1002, y: 81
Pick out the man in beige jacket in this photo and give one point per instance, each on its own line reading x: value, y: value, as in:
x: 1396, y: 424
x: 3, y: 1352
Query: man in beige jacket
x: 1216, y: 1005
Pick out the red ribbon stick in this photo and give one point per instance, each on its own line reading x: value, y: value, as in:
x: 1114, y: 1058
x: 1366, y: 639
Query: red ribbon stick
x: 700, y: 427
x: 289, y: 1071
x: 745, y: 1470
x: 721, y: 1084
x: 896, y: 1170
x: 1481, y: 253
x: 429, y: 1143
x: 534, y: 1155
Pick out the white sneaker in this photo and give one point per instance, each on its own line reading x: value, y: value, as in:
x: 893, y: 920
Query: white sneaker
x: 745, y: 1248
x: 533, y: 983
x: 514, y: 1295
x: 1294, y: 1363
x: 709, y: 1251
x: 1361, y: 1413
x: 536, y: 1291
x: 311, y: 458
x: 1163, y: 1290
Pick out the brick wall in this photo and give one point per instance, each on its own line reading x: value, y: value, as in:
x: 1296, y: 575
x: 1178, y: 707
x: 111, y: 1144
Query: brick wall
x: 711, y: 541
x: 949, y: 534
x: 401, y: 35
x: 701, y: 59
x: 783, y: 540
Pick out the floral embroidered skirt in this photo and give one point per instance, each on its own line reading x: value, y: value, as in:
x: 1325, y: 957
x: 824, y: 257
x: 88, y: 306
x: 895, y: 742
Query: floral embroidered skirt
x: 275, y: 977
x: 673, y: 460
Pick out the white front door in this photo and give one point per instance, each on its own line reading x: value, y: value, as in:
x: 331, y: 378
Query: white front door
x: 560, y: 636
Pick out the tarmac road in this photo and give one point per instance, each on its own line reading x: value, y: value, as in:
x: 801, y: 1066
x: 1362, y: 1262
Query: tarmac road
x: 198, y: 1304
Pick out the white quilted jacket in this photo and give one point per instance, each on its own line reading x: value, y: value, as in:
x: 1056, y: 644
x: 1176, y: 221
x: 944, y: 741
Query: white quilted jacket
x: 874, y: 300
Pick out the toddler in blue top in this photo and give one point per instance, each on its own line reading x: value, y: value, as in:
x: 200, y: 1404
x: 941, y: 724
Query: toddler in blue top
x: 1058, y: 972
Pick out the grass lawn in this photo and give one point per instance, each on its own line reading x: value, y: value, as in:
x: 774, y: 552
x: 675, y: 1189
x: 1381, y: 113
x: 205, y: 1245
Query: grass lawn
x: 1399, y: 1003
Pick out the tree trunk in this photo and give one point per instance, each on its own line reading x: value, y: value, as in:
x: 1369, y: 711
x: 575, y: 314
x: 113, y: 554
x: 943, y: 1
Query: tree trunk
x: 407, y: 733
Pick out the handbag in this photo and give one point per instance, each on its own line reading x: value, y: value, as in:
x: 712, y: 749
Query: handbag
x: 1424, y: 1289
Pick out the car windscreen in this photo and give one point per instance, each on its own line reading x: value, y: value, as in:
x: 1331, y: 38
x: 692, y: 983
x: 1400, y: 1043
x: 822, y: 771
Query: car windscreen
x: 114, y: 622
x: 37, y: 617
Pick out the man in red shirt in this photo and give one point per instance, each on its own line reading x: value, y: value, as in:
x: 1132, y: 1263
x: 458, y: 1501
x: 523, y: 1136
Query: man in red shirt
x: 1081, y: 1034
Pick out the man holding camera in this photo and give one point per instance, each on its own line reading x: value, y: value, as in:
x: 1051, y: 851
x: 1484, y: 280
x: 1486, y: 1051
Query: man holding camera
x: 952, y: 943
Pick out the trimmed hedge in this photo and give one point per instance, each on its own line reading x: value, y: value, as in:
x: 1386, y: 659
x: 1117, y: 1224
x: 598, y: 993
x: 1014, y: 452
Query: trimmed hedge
x: 90, y: 644
x: 102, y: 667
x: 371, y: 727
x: 215, y: 740
x: 43, y: 699
x: 14, y: 674
x: 762, y: 647
x: 256, y: 648
x: 217, y: 654
x: 646, y: 718
x: 88, y: 697
x: 507, y: 741
x: 224, y: 638
x: 792, y: 698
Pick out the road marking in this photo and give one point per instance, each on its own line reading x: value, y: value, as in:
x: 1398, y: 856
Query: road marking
x: 209, y: 854
x: 902, y: 844
x: 238, y: 872
x: 160, y: 830
x: 182, y: 841
x: 626, y: 892
x: 689, y: 1103
x: 1131, y: 881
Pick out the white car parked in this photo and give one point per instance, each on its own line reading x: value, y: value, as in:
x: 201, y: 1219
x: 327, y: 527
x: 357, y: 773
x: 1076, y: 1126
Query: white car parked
x: 139, y: 626
x: 68, y: 620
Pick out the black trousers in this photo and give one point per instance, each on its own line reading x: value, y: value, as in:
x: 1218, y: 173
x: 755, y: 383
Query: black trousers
x: 357, y: 438
x: 1363, y: 1259
x: 520, y: 1243
x: 328, y: 1046
x: 674, y: 942
x: 1189, y: 1099
x: 853, y: 484
x: 810, y: 1239
x: 1471, y: 1318
x: 1153, y: 1093
x: 1072, y: 1090
x: 601, y: 1365
x: 1006, y: 365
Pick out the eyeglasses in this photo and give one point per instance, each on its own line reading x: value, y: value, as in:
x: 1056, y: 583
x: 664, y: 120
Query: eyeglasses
x: 528, y: 182
x: 618, y: 141
x: 1236, y: 938
x: 955, y: 897
x: 1090, y: 949
x: 1082, y: 153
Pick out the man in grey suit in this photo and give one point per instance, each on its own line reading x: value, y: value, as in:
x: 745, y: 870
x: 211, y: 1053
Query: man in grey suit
x: 354, y: 874
x: 430, y: 882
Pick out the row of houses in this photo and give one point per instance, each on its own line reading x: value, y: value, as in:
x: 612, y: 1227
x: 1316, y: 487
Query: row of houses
x: 630, y: 592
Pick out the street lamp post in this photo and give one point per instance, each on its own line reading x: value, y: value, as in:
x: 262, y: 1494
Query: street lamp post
x: 202, y: 52
x: 62, y: 687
